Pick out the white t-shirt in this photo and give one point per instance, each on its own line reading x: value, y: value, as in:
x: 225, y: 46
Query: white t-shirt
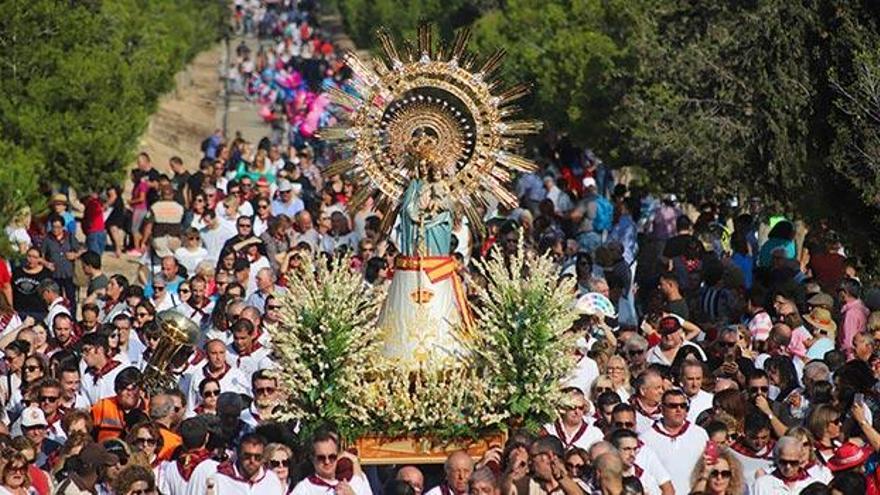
x: 698, y: 404
x: 584, y: 437
x: 190, y: 259
x: 318, y: 486
x: 680, y: 452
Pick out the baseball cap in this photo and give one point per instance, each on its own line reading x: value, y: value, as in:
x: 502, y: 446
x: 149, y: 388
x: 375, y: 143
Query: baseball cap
x: 668, y: 325
x: 284, y: 185
x: 33, y: 416
x: 821, y: 299
x: 589, y: 182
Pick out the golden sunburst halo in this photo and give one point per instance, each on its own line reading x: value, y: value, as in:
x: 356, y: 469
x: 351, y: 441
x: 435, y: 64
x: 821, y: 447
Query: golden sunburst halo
x: 437, y: 91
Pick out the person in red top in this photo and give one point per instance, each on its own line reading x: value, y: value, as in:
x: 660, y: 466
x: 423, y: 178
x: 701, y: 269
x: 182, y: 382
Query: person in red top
x: 5, y: 280
x: 93, y: 224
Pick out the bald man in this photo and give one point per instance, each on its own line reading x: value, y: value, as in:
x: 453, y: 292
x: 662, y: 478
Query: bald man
x: 458, y: 468
x: 609, y: 472
x: 413, y: 477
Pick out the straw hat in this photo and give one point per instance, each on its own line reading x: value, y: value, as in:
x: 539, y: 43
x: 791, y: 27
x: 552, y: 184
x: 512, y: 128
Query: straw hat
x: 820, y: 319
x: 58, y: 198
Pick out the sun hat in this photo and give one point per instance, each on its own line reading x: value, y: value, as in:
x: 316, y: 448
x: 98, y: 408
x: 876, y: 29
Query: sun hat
x: 847, y: 456
x: 820, y: 318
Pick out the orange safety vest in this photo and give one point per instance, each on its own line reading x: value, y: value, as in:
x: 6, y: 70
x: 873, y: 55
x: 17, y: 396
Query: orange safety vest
x: 170, y: 442
x: 108, y: 418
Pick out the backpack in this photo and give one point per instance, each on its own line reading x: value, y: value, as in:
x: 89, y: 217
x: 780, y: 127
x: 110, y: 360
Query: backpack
x: 604, y: 215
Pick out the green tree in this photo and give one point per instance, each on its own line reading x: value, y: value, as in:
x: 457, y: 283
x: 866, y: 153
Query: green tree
x: 81, y: 78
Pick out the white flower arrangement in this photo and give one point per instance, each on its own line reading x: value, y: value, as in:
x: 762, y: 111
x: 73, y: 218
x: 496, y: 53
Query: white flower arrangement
x: 328, y: 347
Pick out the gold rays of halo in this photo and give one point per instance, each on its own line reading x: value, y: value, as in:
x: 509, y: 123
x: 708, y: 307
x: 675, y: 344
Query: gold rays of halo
x: 440, y: 91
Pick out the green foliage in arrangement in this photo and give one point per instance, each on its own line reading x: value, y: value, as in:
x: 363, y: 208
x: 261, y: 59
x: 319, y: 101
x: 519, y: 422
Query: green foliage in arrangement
x: 81, y: 78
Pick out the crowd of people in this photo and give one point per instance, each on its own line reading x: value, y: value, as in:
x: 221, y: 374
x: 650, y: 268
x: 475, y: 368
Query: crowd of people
x: 722, y: 350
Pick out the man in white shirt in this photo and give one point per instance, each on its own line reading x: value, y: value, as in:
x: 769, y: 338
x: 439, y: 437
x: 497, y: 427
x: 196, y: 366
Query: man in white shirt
x: 628, y: 445
x: 624, y: 417
x: 51, y: 295
x: 200, y: 306
x: 680, y: 442
x: 216, y: 366
x: 244, y: 476
x: 646, y: 401
x: 324, y: 454
x: 754, y: 449
x: 789, y: 476
x: 101, y: 370
x: 215, y: 235
x: 571, y: 428
x: 266, y: 398
x: 175, y: 476
x: 246, y: 353
x: 691, y: 380
x: 458, y: 468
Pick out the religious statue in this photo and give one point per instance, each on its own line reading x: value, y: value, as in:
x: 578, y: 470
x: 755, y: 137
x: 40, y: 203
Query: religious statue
x: 428, y: 134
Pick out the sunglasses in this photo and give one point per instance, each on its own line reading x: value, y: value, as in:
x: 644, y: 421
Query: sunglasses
x: 574, y: 467
x: 251, y: 456
x: 277, y: 464
x: 17, y: 469
x: 324, y: 459
x: 144, y: 441
x: 635, y: 352
x: 788, y: 462
x: 265, y: 390
x: 715, y: 473
x: 628, y: 425
x: 30, y: 369
x: 211, y: 393
x: 273, y: 307
x: 49, y: 398
x: 578, y: 408
x: 244, y: 225
x: 676, y: 405
x: 836, y: 421
x: 727, y: 345
x: 159, y: 288
x: 142, y: 314
x: 755, y: 390
x: 262, y: 207
x: 184, y: 291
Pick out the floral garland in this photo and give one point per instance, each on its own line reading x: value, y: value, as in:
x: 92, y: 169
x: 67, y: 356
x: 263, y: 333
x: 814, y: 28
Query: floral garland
x: 329, y: 350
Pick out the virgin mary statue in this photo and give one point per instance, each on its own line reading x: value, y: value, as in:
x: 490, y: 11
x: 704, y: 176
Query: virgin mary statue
x: 425, y: 313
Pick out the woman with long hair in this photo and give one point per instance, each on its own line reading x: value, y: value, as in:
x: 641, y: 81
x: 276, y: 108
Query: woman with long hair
x: 194, y: 218
x: 825, y: 423
x: 146, y: 438
x: 14, y: 478
x: 719, y: 476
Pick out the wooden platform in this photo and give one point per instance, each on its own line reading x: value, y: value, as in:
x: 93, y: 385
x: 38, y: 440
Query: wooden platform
x: 379, y: 450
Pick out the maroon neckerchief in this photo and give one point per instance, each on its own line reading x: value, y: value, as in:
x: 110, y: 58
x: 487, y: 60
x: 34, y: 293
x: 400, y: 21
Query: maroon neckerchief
x: 638, y: 470
x: 257, y: 346
x: 747, y: 451
x: 560, y: 433
x: 228, y: 469
x: 188, y: 462
x: 637, y: 404
x: 207, y: 372
x: 198, y: 357
x: 110, y: 366
x: 801, y: 476
x: 320, y: 482
x: 108, y: 306
x: 673, y: 436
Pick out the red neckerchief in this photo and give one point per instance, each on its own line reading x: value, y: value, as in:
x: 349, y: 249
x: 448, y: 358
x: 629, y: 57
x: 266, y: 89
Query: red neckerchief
x: 257, y: 346
x: 208, y: 374
x: 801, y: 476
x: 108, y: 306
x: 200, y: 409
x: 6, y: 319
x: 637, y: 404
x: 198, y: 357
x: 229, y: 469
x: 674, y: 436
x: 747, y: 451
x: 560, y: 432
x: 320, y: 482
x: 188, y: 462
x: 638, y: 470
x: 110, y: 366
